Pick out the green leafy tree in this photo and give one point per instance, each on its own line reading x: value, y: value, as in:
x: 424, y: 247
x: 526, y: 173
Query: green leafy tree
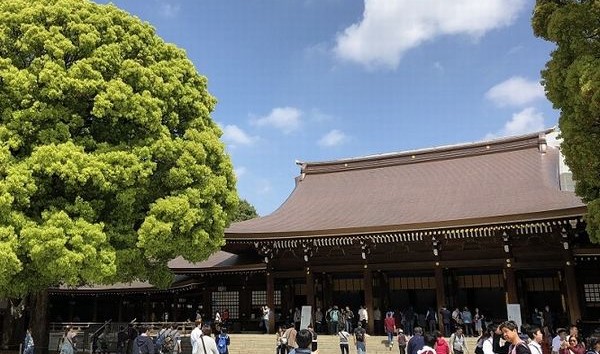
x: 110, y: 163
x: 244, y: 211
x: 572, y: 82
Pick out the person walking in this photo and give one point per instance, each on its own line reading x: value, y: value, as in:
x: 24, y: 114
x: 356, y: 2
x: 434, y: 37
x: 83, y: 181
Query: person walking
x: 344, y: 340
x: 458, y: 343
x: 441, y: 346
x: 416, y: 342
x: 360, y: 339
x: 389, y: 325
x: 402, y: 341
x: 535, y: 340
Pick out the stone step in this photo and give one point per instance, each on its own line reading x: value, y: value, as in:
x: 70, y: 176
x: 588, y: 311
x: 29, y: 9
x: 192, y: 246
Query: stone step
x: 328, y: 344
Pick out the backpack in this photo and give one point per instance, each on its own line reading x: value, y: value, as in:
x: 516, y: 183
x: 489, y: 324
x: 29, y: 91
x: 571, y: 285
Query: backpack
x: 334, y: 315
x: 360, y: 336
x: 160, y: 339
x: 222, y: 344
x: 168, y: 343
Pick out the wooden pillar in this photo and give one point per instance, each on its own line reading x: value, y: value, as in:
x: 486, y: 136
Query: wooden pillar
x: 440, y: 294
x: 571, y: 292
x: 310, y: 288
x: 368, y: 281
x: 511, y: 285
x: 327, y: 291
x: 271, y: 297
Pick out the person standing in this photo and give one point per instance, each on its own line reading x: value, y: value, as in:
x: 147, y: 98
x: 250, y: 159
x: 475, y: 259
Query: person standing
x: 431, y: 319
x: 547, y: 318
x: 121, y: 340
x: 195, y: 337
x: 478, y: 322
x: 416, y: 342
x: 458, y: 343
x: 377, y: 322
x: 28, y: 345
x: 264, y: 319
x: 223, y: 341
x: 68, y: 346
x: 281, y: 341
x: 446, y: 319
x: 467, y: 319
x: 290, y: 333
x: 304, y: 340
x: 360, y: 339
x: 344, y: 339
x: 573, y: 347
x: 402, y: 341
x: 363, y: 316
x: 559, y: 341
x: 318, y: 320
x: 535, y: 343
x: 207, y: 344
x: 517, y: 345
x: 389, y: 324
x: 349, y: 319
x: 143, y: 342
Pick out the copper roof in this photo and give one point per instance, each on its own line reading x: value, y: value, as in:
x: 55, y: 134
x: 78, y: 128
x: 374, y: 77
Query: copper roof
x: 498, y: 181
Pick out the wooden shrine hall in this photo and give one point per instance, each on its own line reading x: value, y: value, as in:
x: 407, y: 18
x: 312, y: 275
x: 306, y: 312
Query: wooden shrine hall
x: 481, y: 224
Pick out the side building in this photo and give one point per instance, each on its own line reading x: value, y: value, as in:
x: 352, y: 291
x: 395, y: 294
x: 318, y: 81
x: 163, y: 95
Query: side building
x: 481, y: 224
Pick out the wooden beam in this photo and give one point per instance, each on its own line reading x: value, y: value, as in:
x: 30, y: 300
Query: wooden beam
x: 440, y: 294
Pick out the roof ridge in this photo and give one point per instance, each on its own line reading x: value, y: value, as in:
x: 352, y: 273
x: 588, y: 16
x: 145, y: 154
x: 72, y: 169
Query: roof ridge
x: 444, y: 152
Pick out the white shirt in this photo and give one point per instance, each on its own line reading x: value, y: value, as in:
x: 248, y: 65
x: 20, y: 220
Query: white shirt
x: 194, y: 339
x: 362, y: 315
x: 556, y: 343
x: 535, y: 347
x: 488, y: 347
x: 209, y: 343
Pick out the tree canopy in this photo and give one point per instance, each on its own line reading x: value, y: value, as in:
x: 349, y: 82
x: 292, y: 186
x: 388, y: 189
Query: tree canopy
x: 244, y: 211
x: 572, y: 82
x: 110, y: 163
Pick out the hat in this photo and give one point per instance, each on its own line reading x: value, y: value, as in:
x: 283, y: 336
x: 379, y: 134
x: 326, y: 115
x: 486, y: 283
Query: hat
x: 400, y: 331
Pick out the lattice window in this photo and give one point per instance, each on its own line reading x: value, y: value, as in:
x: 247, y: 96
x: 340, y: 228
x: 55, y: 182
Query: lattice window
x: 227, y: 300
x: 591, y: 292
x: 259, y: 298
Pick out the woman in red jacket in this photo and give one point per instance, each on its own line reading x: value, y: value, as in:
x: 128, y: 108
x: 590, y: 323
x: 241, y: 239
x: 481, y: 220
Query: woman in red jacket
x: 441, y: 346
x: 573, y: 347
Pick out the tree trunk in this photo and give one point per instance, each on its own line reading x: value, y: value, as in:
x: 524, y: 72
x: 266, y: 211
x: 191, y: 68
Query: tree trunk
x: 38, y: 320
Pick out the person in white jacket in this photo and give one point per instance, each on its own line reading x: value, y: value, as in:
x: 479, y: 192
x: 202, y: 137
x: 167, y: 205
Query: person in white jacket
x: 195, y: 336
x: 205, y: 344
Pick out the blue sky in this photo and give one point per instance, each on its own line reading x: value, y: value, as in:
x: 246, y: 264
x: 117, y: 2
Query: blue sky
x: 316, y: 80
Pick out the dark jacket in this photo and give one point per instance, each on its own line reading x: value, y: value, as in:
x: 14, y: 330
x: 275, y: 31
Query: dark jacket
x: 416, y: 343
x: 143, y: 345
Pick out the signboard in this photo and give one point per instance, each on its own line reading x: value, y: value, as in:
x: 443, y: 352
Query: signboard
x: 306, y: 317
x: 514, y: 314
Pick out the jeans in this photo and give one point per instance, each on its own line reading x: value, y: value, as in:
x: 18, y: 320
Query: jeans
x: 390, y: 338
x: 361, y: 348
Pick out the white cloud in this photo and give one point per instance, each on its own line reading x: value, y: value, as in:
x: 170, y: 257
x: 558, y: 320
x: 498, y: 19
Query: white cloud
x: 234, y: 135
x: 389, y: 28
x: 286, y: 119
x: 516, y: 91
x: 168, y: 9
x: 529, y: 120
x: 240, y: 171
x: 333, y: 138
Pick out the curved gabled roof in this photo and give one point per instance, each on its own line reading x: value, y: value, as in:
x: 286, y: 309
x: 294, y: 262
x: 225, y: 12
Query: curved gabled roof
x: 497, y: 181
